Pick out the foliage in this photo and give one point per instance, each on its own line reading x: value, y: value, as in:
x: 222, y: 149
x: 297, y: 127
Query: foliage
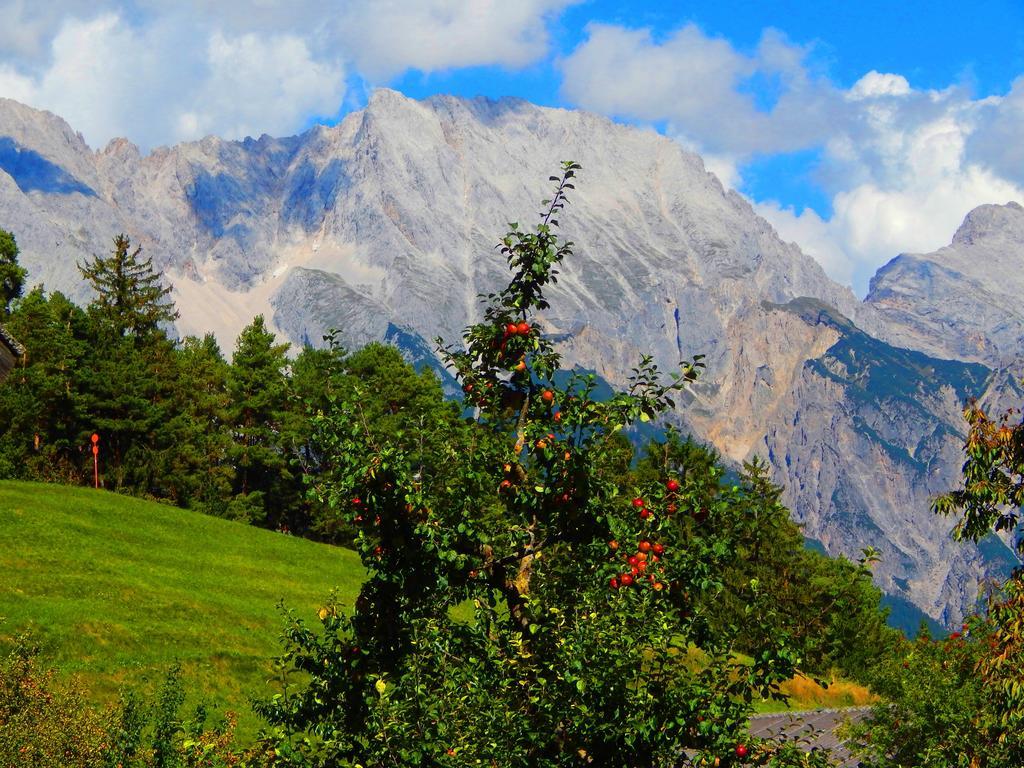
x: 588, y: 601
x: 828, y: 607
x: 950, y: 702
x: 130, y: 299
x: 44, y: 724
x: 41, y: 725
x: 41, y: 403
x: 12, y: 274
x: 993, y: 474
x: 258, y: 393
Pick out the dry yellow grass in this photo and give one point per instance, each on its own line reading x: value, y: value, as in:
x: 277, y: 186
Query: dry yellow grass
x: 805, y: 693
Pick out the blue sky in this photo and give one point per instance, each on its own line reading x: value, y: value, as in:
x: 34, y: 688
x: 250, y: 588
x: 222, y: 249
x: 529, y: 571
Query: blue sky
x: 858, y: 130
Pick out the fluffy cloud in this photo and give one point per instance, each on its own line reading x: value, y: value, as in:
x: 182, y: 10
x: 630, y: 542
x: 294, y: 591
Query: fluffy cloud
x: 166, y: 82
x: 901, y: 166
x: 390, y: 36
x: 703, y: 87
x: 193, y: 67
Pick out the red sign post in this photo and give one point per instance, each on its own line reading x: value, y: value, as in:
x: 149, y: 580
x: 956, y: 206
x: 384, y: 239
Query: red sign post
x: 96, y: 459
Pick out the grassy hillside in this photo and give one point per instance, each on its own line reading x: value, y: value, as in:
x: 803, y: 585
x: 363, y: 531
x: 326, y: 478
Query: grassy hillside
x: 115, y: 589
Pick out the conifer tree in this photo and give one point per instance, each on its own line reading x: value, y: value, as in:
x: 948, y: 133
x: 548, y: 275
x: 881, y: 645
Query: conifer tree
x: 258, y: 389
x: 12, y: 275
x: 41, y: 405
x: 129, y: 294
x: 130, y: 371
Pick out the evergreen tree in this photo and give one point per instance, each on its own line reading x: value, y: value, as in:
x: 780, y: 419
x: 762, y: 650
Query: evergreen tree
x: 129, y: 295
x: 41, y: 406
x: 127, y: 390
x: 194, y: 464
x: 12, y: 275
x: 129, y: 378
x: 264, y: 485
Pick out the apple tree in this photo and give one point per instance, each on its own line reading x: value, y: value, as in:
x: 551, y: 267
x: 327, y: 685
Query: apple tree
x: 524, y: 605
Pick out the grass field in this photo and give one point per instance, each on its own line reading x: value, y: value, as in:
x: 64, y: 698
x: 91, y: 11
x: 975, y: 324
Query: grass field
x: 116, y: 589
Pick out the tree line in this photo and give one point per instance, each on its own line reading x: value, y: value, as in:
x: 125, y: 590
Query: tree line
x: 177, y: 420
x: 243, y: 438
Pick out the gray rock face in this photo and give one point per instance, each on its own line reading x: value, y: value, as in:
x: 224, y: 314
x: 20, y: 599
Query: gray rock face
x: 965, y: 301
x: 384, y: 226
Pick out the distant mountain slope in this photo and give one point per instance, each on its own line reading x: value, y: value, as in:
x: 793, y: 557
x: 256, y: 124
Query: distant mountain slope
x: 384, y: 225
x: 964, y: 301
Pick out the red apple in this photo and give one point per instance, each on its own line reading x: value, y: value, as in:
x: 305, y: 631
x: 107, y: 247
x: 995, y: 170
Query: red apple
x: 644, y: 546
x: 547, y: 396
x: 523, y: 329
x: 645, y: 513
x: 626, y: 579
x: 741, y: 750
x: 659, y: 548
x: 613, y: 583
x: 638, y: 502
x: 672, y: 485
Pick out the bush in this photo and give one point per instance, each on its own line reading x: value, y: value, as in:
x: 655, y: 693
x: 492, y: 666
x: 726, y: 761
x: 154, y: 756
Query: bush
x: 48, y: 724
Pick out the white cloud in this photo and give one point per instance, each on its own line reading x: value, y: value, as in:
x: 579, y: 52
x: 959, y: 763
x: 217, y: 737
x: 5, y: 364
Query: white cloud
x: 913, y: 183
x: 167, y: 81
x: 29, y: 26
x: 698, y: 84
x: 997, y: 143
x: 159, y: 71
x: 902, y: 166
x: 390, y: 36
x: 274, y: 84
x: 879, y: 84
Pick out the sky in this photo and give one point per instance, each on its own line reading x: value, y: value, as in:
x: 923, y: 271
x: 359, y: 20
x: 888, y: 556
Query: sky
x: 859, y: 130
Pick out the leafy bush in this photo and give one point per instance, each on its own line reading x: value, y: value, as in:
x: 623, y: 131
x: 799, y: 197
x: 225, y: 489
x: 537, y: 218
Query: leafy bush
x: 48, y: 724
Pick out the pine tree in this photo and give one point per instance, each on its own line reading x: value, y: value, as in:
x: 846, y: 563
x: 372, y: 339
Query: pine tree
x: 12, y: 275
x: 129, y: 295
x: 41, y: 404
x: 194, y: 464
x: 259, y: 393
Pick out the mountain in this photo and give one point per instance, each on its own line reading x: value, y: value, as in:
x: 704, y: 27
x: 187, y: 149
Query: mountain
x: 964, y: 301
x: 384, y: 226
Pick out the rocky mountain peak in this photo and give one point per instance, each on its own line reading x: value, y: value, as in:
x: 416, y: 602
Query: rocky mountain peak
x: 964, y: 301
x: 986, y: 222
